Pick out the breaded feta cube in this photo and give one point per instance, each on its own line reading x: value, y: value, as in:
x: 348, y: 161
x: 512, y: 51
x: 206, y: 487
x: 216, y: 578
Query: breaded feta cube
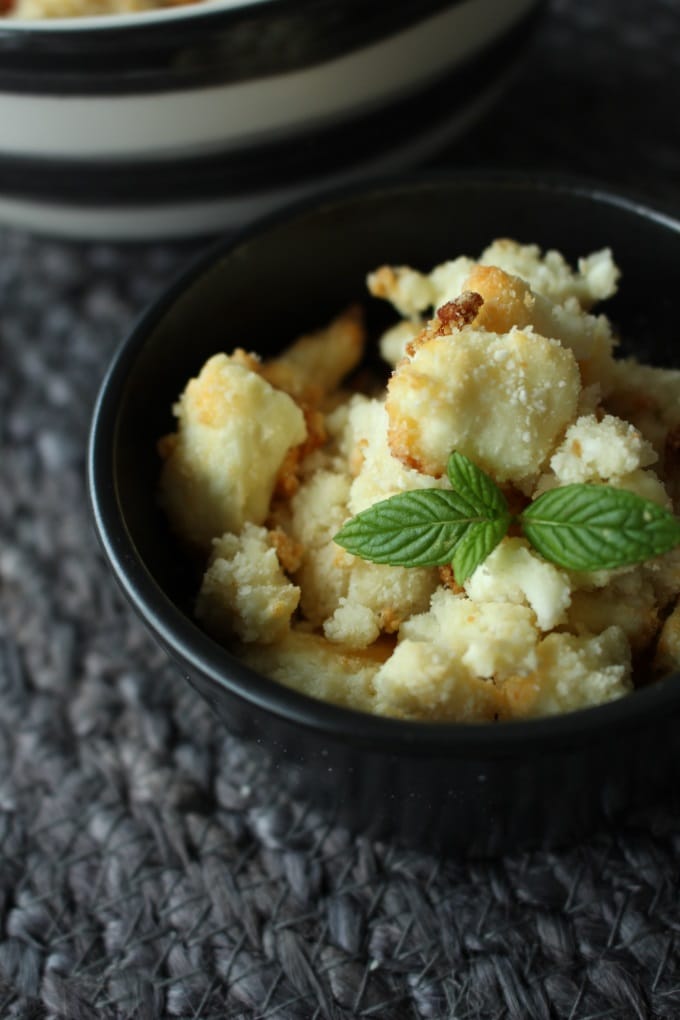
x: 571, y: 673
x: 421, y: 681
x: 352, y: 599
x: 442, y: 656
x: 220, y: 467
x: 514, y: 573
x: 547, y: 273
x: 550, y: 274
x: 411, y: 292
x: 245, y: 593
x: 311, y: 665
x: 318, y: 510
x: 316, y: 363
x: 596, y: 450
x: 647, y: 396
x: 508, y: 301
x: 394, y: 341
x: 627, y: 601
x: 379, y: 598
x: 491, y: 639
x: 503, y: 401
x: 378, y: 474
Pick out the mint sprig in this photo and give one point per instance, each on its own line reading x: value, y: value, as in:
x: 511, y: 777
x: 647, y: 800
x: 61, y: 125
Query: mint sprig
x: 598, y: 527
x: 581, y: 527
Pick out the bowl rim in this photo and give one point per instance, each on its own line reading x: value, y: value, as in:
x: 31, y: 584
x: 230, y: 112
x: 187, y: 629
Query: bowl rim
x: 183, y: 638
x: 101, y: 22
x: 154, y: 17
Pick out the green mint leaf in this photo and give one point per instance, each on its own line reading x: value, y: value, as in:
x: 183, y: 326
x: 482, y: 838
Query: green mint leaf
x: 476, y: 544
x: 475, y: 486
x: 598, y: 527
x: 423, y: 527
x: 419, y: 528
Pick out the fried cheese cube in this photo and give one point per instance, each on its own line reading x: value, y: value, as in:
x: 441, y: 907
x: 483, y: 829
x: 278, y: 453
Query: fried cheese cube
x: 503, y: 401
x: 572, y: 672
x: 649, y: 397
x: 311, y: 665
x: 377, y: 473
x: 446, y: 659
x: 379, y: 599
x: 352, y: 599
x: 220, y: 467
x: 411, y: 292
x: 548, y: 273
x: 509, y: 301
x: 317, y: 512
x: 245, y: 593
x: 627, y: 601
x: 425, y: 682
x: 514, y: 573
x: 596, y: 450
x: 316, y: 363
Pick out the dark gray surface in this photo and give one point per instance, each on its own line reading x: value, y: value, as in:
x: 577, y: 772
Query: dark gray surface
x: 144, y: 870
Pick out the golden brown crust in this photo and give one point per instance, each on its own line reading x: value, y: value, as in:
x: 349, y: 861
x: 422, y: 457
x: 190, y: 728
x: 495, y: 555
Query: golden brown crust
x: 447, y: 578
x: 315, y: 365
x: 451, y: 316
x: 460, y: 312
x: 288, y: 478
x: 288, y: 550
x: 507, y: 301
x: 383, y: 281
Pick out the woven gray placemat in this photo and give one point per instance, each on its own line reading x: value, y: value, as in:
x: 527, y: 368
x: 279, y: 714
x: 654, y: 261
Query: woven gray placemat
x: 145, y: 870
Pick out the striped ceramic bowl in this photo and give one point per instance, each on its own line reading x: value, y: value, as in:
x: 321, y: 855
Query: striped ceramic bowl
x: 195, y: 118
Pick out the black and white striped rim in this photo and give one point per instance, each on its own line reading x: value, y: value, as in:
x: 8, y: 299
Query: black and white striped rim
x: 192, y: 214
x: 298, y: 159
x: 194, y: 46
x: 167, y: 186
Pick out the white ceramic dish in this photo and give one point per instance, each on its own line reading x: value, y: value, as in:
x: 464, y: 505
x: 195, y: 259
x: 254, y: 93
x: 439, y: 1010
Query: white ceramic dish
x: 195, y: 118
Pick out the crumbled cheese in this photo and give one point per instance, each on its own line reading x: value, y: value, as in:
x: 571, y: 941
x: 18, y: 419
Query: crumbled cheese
x: 352, y: 624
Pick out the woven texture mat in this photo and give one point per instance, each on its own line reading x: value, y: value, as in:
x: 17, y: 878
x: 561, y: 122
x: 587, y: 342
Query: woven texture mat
x: 144, y: 870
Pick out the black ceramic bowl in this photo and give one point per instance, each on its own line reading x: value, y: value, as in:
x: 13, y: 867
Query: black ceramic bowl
x: 196, y: 117
x: 479, y: 789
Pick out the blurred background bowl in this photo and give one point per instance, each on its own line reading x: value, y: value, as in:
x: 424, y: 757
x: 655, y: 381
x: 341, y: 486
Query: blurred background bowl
x: 479, y: 789
x: 193, y: 118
